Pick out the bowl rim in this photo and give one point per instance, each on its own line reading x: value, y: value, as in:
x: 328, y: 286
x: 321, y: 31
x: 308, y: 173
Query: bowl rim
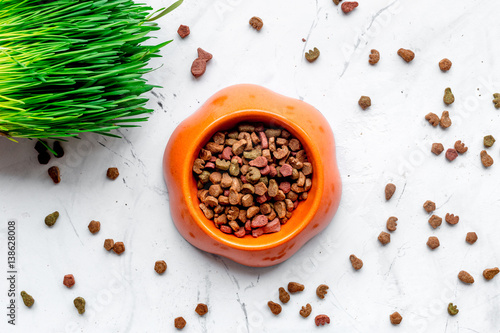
x: 227, y: 121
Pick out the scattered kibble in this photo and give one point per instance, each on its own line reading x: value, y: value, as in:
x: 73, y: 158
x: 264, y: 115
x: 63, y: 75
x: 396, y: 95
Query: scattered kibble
x: 69, y: 280
x: 108, y: 244
x: 201, y: 309
x: 465, y: 277
x: 94, y: 226
x: 496, y: 100
x: 437, y: 148
x: 295, y: 287
x: 58, y: 149
x: 490, y: 273
x: 119, y: 247
x: 183, y: 31
x: 256, y: 23
x: 389, y: 191
x: 306, y: 310
x: 406, y: 55
x: 44, y: 158
x: 445, y: 120
x: 337, y: 2
x: 429, y: 206
x: 451, y: 219
x: 445, y: 65
x: 349, y: 6
x: 392, y: 223
x: 160, y: 266
x: 395, y: 318
x: 356, y: 262
x: 384, y: 238
x: 433, y: 242
x: 435, y: 221
x: 471, y: 237
x: 322, y: 290
x: 179, y: 323
x: 283, y: 295
x: 460, y: 147
x: 448, y: 97
x: 55, y: 174
x: 488, y: 141
x: 312, y: 55
x: 451, y: 154
x: 321, y: 319
x: 112, y: 173
x: 374, y: 57
x: 452, y: 309
x: 365, y: 102
x: 28, y: 300
x: 275, y: 307
x: 79, y: 303
x: 486, y: 159
x: 200, y: 64
x: 41, y: 146
x: 432, y: 118
x: 51, y: 219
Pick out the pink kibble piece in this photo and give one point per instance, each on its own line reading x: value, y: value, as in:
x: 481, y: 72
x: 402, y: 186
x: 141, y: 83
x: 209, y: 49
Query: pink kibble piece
x: 209, y: 165
x: 285, y: 187
x: 261, y: 199
x: 240, y: 233
x: 273, y: 171
x: 213, y: 159
x: 286, y: 170
x: 264, y: 143
x: 240, y: 161
x: 259, y: 221
x: 227, y: 153
x: 265, y: 171
x: 226, y: 193
x: 248, y: 225
x: 259, y: 162
x: 226, y: 229
x: 257, y: 232
x: 273, y: 226
x: 451, y: 154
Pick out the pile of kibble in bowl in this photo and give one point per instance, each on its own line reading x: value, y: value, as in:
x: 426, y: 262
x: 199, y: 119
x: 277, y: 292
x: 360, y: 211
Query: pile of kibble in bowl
x: 251, y: 178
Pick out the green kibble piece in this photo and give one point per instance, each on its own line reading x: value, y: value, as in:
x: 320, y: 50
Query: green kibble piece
x: 452, y: 309
x: 273, y: 132
x: 222, y: 164
x: 27, y: 299
x: 234, y: 169
x: 51, y: 219
x: 496, y: 100
x: 80, y: 304
x: 204, y: 176
x: 489, y: 140
x: 448, y: 96
x: 265, y: 180
x: 253, y: 175
x: 252, y: 154
x: 233, y: 135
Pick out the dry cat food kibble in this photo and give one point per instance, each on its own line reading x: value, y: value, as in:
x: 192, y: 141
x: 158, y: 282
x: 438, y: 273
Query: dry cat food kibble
x: 356, y: 262
x: 471, y: 237
x: 119, y: 247
x: 433, y: 242
x: 200, y: 64
x: 79, y: 303
x: 496, y: 100
x: 486, y: 159
x: 451, y: 154
x: 28, y: 300
x: 374, y: 57
x: 451, y: 219
x: 43, y: 155
x: 448, y: 97
x: 395, y: 318
x: 322, y: 290
x: 365, y: 102
x: 389, y: 191
x: 321, y: 319
x: 465, y: 277
x: 69, y: 280
x: 58, y: 149
x: 488, y: 141
x: 51, y: 219
x: 160, y: 266
x: 256, y: 23
x: 384, y: 238
x: 54, y: 174
x: 437, y: 148
x: 348, y: 6
x: 94, y: 226
x: 407, y: 55
x: 284, y: 296
x: 452, y: 309
x: 312, y: 55
x: 460, y: 147
x: 112, y: 173
x: 108, y: 244
x: 336, y: 2
x: 490, y: 273
x: 201, y: 309
x: 275, y: 307
x: 391, y: 224
x: 295, y: 287
x: 183, y: 31
x: 306, y: 310
x: 432, y: 118
x: 445, y: 120
x: 435, y: 221
x: 445, y: 65
x: 179, y: 323
x: 251, y: 178
x: 429, y: 206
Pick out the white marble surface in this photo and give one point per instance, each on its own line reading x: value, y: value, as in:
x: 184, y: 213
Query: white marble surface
x: 389, y: 142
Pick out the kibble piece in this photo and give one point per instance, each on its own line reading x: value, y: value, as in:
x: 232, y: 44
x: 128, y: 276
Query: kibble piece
x: 198, y: 67
x: 94, y: 226
x: 486, y: 159
x: 471, y: 237
x: 41, y: 146
x: 322, y: 290
x: 69, y: 280
x: 445, y: 120
x: 306, y: 310
x: 384, y: 238
x: 433, y: 242
x: 43, y: 158
x: 201, y: 309
x: 432, y: 118
x: 448, y: 97
x: 55, y: 174
x: 451, y: 154
x: 179, y: 323
x: 79, y: 303
x: 429, y: 206
x: 488, y: 141
x: 452, y: 309
x: 284, y: 296
x: 364, y: 102
x: 119, y: 248
x: 465, y: 277
x: 256, y: 23
x: 445, y: 65
x: 183, y: 31
x: 51, y: 219
x: 490, y: 273
x: 435, y: 221
x: 395, y: 318
x: 356, y: 262
x: 496, y: 100
x: 160, y: 266
x: 437, y: 148
x: 321, y: 319
x: 374, y: 57
x: 275, y: 307
x: 392, y: 223
x: 451, y: 219
x: 28, y: 300
x: 202, y: 54
x: 112, y: 173
x: 336, y: 1
x: 348, y: 6
x: 389, y: 191
x: 58, y: 149
x: 295, y: 287
x: 108, y: 244
x: 312, y: 55
x: 406, y: 55
x: 460, y: 147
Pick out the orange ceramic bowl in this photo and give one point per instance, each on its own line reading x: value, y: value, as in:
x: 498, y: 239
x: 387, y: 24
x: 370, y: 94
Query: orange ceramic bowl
x: 225, y: 109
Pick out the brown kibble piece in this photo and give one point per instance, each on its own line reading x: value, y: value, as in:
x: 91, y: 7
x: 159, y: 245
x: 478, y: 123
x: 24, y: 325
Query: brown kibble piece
x: 445, y: 65
x: 94, y: 226
x: 395, y: 318
x: 295, y: 287
x: 336, y: 2
x: 108, y: 244
x: 432, y: 118
x: 119, y: 247
x: 433, y: 242
x: 160, y: 266
x: 364, y: 102
x: 465, y: 277
x: 256, y: 23
x: 429, y: 206
x: 445, y: 120
x: 392, y: 223
x: 451, y: 219
x: 389, y: 191
x: 275, y: 307
x: 179, y: 323
x: 348, y: 6
x: 183, y: 31
x: 435, y: 221
x: 69, y: 280
x: 198, y: 67
x: 407, y: 55
x: 460, y: 147
x: 112, y: 173
x: 322, y: 290
x: 471, y: 237
x: 55, y: 174
x: 202, y: 54
x: 312, y: 55
x: 384, y: 238
x: 284, y: 296
x: 451, y: 154
x: 306, y: 310
x: 321, y: 319
x: 486, y: 159
x: 437, y: 148
x: 356, y: 262
x: 201, y: 309
x: 374, y: 57
x: 490, y: 273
